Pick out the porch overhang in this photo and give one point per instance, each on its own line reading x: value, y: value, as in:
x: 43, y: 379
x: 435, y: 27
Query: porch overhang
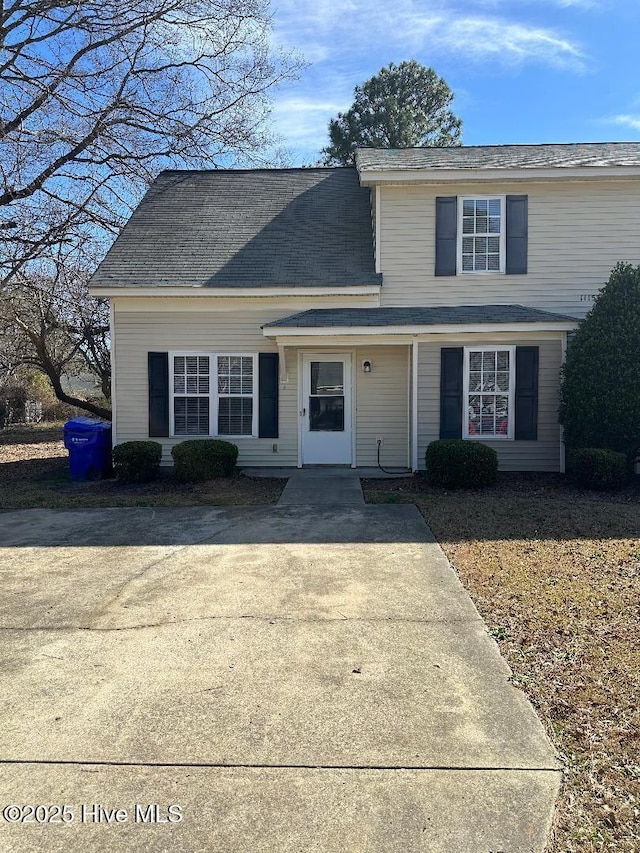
x: 405, y: 325
x: 406, y: 334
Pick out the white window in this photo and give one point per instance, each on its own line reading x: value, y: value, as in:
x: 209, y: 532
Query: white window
x: 481, y: 235
x: 235, y: 394
x: 489, y: 385
x: 213, y: 394
x: 191, y: 394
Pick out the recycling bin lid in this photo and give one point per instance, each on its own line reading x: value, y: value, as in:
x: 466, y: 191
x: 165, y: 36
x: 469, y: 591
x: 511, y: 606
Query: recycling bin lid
x: 81, y: 424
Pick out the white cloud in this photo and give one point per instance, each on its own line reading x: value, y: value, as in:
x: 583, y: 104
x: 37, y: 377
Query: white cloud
x: 626, y: 120
x: 563, y: 4
x: 337, y: 28
x: 492, y: 38
x: 580, y: 4
x: 302, y: 121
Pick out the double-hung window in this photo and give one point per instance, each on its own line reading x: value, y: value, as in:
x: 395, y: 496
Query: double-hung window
x: 489, y: 385
x: 235, y: 394
x: 213, y: 394
x: 481, y: 235
x: 191, y: 394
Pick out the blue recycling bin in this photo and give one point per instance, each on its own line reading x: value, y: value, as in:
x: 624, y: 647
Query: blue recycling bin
x: 89, y: 444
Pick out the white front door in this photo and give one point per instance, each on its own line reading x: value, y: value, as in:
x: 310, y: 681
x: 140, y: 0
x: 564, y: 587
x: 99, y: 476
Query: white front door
x: 326, y: 409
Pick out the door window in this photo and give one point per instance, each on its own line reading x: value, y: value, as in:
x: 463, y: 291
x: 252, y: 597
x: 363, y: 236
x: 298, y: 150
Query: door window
x: 326, y: 400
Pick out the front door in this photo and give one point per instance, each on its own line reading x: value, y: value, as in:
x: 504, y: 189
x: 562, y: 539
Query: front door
x: 326, y: 409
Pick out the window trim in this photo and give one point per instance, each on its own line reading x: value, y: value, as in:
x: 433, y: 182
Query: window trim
x: 213, y: 394
x: 510, y: 435
x: 254, y: 393
x: 503, y: 234
x: 173, y: 395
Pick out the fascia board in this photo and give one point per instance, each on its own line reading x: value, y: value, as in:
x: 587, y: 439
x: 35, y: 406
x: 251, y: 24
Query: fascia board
x: 433, y: 175
x: 442, y: 329
x: 105, y: 291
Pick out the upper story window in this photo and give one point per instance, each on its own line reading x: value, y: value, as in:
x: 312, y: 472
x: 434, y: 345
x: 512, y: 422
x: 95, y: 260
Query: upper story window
x: 481, y: 235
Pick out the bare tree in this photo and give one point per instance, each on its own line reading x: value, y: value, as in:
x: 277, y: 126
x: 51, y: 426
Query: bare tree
x: 48, y: 322
x: 96, y: 96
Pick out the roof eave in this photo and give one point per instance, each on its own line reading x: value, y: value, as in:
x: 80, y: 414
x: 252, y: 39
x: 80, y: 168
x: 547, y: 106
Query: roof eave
x: 420, y: 329
x: 109, y: 291
x: 371, y: 175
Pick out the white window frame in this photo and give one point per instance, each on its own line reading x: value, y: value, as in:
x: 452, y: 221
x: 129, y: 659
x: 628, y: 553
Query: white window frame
x: 509, y: 436
x: 213, y: 393
x: 173, y: 395
x: 503, y: 234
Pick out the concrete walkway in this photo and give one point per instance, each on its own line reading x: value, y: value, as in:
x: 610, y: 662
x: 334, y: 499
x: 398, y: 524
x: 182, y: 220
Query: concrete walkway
x: 323, y: 487
x: 291, y: 678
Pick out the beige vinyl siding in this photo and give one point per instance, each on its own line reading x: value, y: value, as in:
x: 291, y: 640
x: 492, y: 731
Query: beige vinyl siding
x: 577, y: 232
x: 138, y: 333
x: 382, y: 400
x: 540, y: 455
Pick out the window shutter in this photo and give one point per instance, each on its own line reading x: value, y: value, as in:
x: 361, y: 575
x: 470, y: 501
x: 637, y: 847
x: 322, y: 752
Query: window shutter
x: 526, y: 414
x: 268, y: 367
x: 517, y: 234
x: 451, y: 359
x: 158, y: 363
x: 446, y: 234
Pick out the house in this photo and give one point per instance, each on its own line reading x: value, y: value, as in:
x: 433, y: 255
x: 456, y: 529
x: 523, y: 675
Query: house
x: 345, y: 315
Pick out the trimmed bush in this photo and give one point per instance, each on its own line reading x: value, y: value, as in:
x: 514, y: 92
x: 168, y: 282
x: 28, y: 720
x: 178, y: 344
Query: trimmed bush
x: 458, y: 464
x: 137, y: 461
x: 595, y: 468
x: 204, y: 459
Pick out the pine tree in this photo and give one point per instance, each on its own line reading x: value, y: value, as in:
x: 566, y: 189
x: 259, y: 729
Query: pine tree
x: 403, y: 106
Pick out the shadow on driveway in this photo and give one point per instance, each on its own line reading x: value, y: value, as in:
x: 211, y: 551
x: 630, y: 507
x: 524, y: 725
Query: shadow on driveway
x: 147, y: 526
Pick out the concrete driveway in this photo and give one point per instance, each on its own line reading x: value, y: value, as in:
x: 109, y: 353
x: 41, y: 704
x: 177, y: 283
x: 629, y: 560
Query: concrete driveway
x: 292, y: 678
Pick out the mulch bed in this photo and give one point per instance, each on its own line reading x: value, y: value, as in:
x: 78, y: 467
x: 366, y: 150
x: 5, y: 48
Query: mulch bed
x: 34, y: 472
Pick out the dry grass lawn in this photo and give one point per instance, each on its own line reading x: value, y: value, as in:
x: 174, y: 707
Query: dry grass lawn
x: 34, y: 472
x: 555, y: 574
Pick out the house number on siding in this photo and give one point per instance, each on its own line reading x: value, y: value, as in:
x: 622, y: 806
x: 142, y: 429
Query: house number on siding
x: 587, y: 297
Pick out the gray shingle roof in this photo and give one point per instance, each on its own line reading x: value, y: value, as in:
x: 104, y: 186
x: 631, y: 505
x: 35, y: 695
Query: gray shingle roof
x: 459, y: 314
x: 254, y: 228
x: 501, y: 156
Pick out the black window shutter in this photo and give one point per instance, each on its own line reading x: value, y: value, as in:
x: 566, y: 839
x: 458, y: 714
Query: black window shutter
x: 446, y: 234
x: 451, y: 359
x: 268, y: 368
x: 158, y: 394
x: 517, y: 234
x: 526, y: 413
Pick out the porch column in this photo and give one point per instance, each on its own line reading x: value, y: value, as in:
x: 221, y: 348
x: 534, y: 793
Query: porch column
x: 414, y: 405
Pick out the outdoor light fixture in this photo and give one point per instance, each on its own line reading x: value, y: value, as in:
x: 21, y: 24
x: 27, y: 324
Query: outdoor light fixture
x: 366, y: 366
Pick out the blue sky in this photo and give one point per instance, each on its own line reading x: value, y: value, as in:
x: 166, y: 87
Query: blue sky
x: 522, y: 70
